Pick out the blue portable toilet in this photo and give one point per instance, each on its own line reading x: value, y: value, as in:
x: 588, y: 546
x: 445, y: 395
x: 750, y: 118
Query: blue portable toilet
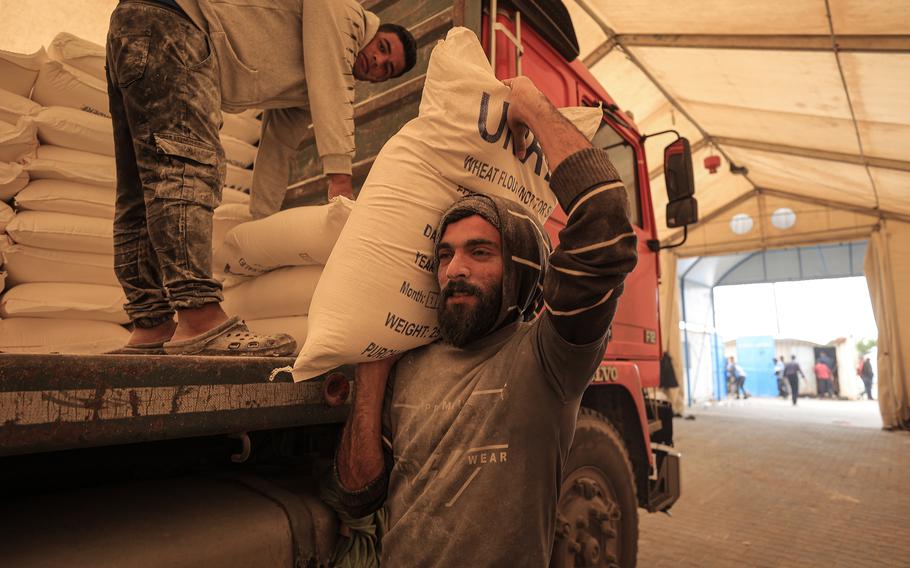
x: 756, y: 356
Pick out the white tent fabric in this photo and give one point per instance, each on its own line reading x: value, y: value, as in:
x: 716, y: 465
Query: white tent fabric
x: 765, y: 89
x: 887, y: 270
x: 807, y: 98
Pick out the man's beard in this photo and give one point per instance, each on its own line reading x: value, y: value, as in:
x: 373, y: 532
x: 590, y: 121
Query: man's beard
x: 460, y: 324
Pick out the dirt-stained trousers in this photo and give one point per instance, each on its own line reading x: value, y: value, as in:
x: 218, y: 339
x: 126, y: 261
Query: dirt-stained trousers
x: 165, y: 104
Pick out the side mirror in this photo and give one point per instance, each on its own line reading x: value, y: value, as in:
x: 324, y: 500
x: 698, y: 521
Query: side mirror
x: 682, y: 208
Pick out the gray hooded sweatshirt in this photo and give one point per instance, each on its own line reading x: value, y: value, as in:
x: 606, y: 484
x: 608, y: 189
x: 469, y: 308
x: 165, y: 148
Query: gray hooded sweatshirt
x: 476, y: 437
x: 293, y: 59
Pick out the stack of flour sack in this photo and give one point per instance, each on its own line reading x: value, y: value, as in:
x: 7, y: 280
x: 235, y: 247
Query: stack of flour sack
x: 57, y: 179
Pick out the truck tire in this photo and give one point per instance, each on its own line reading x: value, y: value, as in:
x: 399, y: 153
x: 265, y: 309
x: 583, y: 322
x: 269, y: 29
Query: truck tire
x: 597, y: 514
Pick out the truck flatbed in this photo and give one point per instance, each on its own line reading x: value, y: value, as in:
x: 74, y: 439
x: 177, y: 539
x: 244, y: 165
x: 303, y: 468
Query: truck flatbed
x: 58, y: 402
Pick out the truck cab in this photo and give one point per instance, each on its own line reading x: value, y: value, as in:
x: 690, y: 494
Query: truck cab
x: 616, y: 409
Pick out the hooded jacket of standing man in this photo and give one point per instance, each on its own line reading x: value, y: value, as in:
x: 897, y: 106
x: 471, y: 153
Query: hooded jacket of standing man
x: 298, y: 60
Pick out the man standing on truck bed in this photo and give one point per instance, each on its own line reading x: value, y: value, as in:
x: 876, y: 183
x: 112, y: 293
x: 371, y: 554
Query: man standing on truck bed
x: 173, y: 66
x: 475, y: 429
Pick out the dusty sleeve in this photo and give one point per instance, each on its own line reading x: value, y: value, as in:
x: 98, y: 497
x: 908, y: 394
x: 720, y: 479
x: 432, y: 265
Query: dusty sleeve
x: 369, y: 499
x: 330, y: 46
x: 583, y: 283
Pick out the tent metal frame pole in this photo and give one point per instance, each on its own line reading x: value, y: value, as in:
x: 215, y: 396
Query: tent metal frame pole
x: 715, y: 347
x: 882, y: 213
x: 762, y: 216
x: 824, y: 236
x: 742, y: 261
x: 843, y: 79
x: 799, y: 152
x: 850, y: 255
x: 774, y: 42
x: 822, y: 260
x: 682, y: 291
x: 600, y: 52
x: 682, y: 301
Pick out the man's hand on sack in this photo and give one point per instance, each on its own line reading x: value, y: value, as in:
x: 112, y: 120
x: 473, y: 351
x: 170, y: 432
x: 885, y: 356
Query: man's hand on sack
x: 526, y: 103
x: 529, y: 109
x: 340, y: 184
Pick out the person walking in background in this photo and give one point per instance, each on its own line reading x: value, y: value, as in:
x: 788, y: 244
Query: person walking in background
x: 779, y: 374
x: 826, y: 360
x: 823, y: 379
x: 793, y: 372
x: 866, y: 374
x: 737, y: 374
x: 829, y: 362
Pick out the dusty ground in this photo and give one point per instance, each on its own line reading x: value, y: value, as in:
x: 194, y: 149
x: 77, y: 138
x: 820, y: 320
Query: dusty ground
x: 767, y: 484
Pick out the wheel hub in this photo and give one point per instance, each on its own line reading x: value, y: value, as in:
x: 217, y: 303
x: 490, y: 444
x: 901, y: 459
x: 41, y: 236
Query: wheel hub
x: 587, y: 522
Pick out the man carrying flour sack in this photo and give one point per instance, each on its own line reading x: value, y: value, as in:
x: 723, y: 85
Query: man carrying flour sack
x: 464, y: 440
x: 173, y: 66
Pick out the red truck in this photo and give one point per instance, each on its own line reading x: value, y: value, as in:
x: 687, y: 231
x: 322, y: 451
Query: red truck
x: 192, y: 461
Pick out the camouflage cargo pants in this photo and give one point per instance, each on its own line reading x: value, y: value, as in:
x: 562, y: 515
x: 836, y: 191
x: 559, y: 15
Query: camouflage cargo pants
x: 165, y: 105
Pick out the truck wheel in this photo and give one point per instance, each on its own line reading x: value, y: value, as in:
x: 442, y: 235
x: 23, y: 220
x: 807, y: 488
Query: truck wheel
x: 597, y: 515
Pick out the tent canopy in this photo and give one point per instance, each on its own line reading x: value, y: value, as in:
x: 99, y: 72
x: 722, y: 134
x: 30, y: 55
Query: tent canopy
x: 808, y: 96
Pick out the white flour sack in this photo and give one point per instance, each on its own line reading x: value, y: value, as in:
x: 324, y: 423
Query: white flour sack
x: 294, y: 237
x: 65, y: 300
x: 13, y: 178
x: 63, y: 85
x: 77, y: 129
x: 57, y: 162
x: 80, y: 53
x: 18, y: 71
x: 229, y: 195
x: 283, y: 292
x: 18, y: 142
x: 239, y: 179
x: 226, y: 217
x: 62, y: 231
x: 241, y: 127
x: 378, y: 293
x: 68, y: 197
x: 13, y: 106
x: 6, y: 215
x: 32, y: 264
x: 40, y: 335
x: 237, y: 152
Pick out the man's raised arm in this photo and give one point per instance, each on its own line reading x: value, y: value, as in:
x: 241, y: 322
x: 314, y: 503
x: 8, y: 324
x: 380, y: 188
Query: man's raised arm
x: 597, y: 247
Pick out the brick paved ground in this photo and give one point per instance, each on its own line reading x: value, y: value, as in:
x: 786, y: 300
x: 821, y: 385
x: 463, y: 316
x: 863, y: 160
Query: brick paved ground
x: 769, y: 485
